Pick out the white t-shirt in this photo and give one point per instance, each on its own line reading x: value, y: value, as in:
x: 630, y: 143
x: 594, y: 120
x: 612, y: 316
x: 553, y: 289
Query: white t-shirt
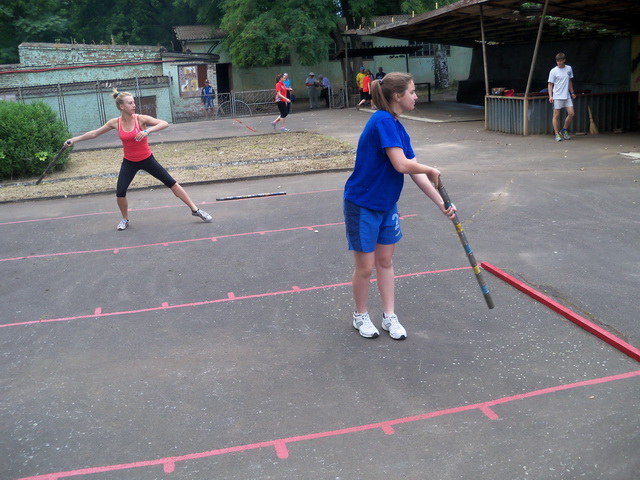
x: 560, y: 78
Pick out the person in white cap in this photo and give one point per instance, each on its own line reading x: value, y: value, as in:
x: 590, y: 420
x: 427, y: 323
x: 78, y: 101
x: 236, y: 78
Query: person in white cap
x: 312, y: 85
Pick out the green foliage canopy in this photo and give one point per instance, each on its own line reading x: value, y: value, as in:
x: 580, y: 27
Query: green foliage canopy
x: 135, y: 22
x: 29, y: 21
x: 261, y: 32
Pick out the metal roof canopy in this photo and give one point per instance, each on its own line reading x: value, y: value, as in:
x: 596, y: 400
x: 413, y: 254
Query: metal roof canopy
x: 346, y: 53
x: 371, y: 51
x: 469, y: 22
x: 506, y: 23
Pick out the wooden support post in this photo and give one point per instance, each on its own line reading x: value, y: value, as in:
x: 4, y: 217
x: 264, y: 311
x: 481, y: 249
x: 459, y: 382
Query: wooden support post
x: 525, y: 109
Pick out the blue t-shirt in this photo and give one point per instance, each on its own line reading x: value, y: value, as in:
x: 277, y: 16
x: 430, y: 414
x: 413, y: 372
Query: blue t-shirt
x: 374, y: 183
x: 207, y: 91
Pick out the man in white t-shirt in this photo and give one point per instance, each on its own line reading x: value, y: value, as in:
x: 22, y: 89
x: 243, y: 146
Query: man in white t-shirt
x: 311, y: 84
x: 561, y: 93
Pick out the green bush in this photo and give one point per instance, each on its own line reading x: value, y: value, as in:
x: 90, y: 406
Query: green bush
x: 30, y: 136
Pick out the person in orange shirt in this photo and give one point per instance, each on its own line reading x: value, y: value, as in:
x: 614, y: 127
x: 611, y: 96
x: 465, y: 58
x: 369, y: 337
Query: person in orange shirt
x: 366, y: 89
x: 134, y: 131
x: 282, y: 101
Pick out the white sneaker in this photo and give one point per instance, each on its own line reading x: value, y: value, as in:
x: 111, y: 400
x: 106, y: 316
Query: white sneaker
x: 123, y: 224
x: 392, y: 325
x: 202, y: 214
x: 364, y: 325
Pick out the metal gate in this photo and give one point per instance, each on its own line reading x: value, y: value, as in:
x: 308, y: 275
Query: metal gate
x: 83, y: 106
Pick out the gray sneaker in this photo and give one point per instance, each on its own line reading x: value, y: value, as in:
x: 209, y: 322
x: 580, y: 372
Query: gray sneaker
x: 364, y: 325
x: 565, y: 134
x: 202, y: 214
x: 392, y: 325
x: 123, y: 224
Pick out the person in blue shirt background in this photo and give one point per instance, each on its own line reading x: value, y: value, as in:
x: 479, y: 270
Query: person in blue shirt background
x: 287, y: 83
x: 383, y: 156
x: 207, y: 93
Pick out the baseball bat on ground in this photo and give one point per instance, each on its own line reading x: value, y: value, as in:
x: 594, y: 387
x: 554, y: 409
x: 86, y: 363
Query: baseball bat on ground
x: 253, y: 195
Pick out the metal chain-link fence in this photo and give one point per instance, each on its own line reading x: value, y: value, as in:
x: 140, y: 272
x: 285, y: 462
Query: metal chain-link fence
x: 84, y: 106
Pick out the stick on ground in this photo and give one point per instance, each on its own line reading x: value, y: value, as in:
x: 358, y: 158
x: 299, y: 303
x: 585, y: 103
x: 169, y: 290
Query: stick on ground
x: 254, y: 195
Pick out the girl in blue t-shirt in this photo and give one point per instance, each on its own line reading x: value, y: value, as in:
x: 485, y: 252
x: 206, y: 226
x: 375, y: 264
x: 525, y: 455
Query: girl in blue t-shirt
x: 384, y: 155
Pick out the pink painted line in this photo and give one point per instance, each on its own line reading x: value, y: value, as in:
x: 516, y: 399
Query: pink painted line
x: 489, y: 413
x: 582, y: 322
x: 175, y: 242
x: 280, y: 445
x: 80, y: 215
x: 66, y: 217
x: 231, y: 297
x: 116, y: 250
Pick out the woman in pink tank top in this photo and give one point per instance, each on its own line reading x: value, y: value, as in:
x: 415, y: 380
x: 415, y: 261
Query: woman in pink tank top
x: 134, y: 130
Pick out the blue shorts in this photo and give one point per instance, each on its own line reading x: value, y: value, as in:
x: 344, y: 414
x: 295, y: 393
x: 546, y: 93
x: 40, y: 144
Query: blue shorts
x: 366, y: 228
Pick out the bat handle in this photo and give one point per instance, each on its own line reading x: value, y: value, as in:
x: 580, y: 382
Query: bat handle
x: 444, y: 194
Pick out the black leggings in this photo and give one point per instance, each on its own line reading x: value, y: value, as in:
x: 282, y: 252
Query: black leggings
x: 283, y: 107
x: 128, y: 170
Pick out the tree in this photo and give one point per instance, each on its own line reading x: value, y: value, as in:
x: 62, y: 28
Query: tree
x: 142, y: 22
x: 29, y: 21
x: 135, y: 22
x: 440, y: 67
x: 260, y: 32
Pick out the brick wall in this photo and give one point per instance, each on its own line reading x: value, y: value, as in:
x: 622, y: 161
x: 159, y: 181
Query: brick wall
x: 39, y: 55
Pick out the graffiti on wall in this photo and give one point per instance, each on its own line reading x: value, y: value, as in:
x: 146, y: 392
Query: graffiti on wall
x: 188, y: 77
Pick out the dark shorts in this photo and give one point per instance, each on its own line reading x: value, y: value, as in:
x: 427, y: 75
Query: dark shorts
x: 128, y: 170
x: 366, y: 228
x: 284, y: 108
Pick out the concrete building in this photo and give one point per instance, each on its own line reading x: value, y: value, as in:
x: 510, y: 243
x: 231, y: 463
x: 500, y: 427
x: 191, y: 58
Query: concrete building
x: 76, y: 80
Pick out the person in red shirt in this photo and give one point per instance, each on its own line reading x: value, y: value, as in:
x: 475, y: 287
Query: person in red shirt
x: 281, y: 101
x: 134, y: 131
x: 366, y: 89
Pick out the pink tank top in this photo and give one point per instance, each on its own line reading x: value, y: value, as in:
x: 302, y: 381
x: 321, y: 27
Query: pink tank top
x: 133, y: 151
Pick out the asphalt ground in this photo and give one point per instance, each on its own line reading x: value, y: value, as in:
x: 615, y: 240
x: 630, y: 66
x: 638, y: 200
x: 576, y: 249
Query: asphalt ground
x: 184, y: 350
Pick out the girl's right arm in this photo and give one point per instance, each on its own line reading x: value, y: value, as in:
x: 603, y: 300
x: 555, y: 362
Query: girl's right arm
x: 425, y: 183
x: 424, y: 177
x: 110, y: 125
x: 404, y: 165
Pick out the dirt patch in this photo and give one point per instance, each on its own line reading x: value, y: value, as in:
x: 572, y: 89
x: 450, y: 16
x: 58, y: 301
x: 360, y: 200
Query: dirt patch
x: 95, y: 171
